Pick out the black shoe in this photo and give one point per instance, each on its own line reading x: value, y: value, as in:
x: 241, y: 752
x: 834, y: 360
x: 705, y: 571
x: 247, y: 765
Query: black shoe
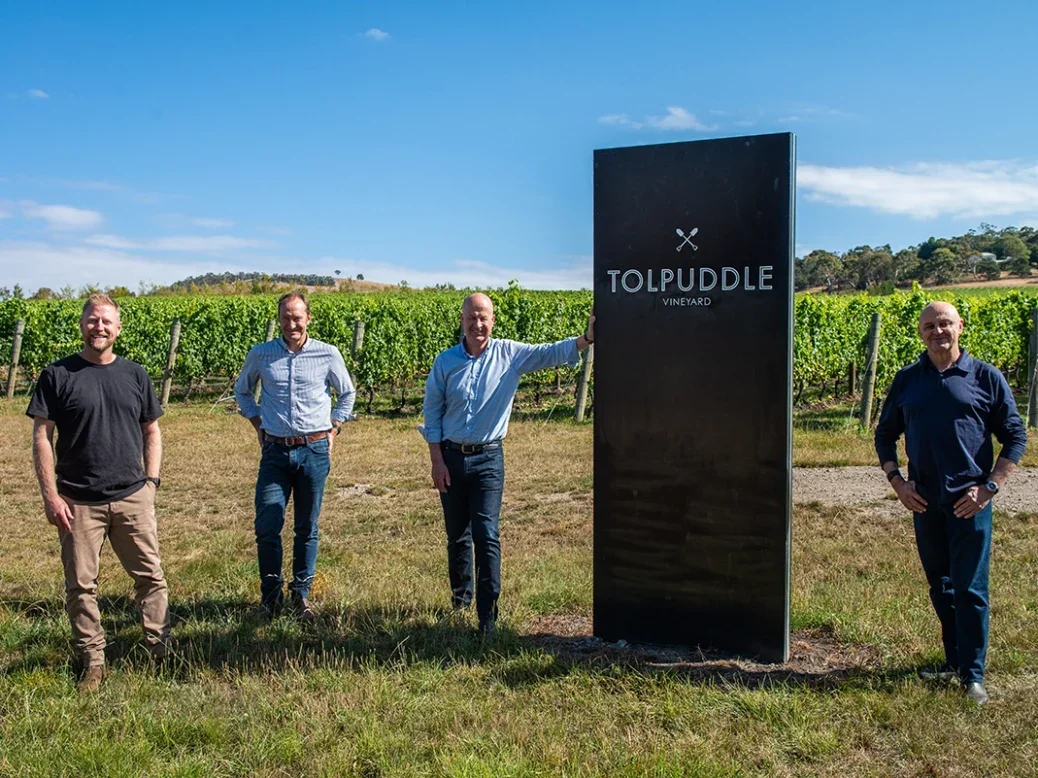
x: 976, y: 693
x: 488, y: 628
x: 303, y: 611
x: 269, y: 609
x: 943, y: 673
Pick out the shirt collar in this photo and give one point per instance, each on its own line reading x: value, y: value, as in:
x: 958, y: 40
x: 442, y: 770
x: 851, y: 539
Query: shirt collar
x: 465, y: 350
x: 963, y: 364
x: 306, y: 344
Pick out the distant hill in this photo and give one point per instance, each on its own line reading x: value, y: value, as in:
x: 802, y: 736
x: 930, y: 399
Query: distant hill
x: 259, y: 283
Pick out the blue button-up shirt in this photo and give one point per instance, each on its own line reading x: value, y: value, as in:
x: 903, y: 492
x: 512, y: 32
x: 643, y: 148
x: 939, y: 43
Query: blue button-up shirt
x: 469, y: 399
x: 296, y: 395
x: 947, y: 420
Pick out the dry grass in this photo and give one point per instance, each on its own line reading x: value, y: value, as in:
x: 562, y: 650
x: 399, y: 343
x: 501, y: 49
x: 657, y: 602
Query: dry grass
x: 388, y: 685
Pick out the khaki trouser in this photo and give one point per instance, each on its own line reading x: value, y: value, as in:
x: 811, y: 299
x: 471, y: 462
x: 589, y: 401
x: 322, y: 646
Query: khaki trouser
x: 131, y: 527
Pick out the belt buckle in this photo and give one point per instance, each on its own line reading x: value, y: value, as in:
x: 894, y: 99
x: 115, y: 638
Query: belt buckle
x: 469, y: 448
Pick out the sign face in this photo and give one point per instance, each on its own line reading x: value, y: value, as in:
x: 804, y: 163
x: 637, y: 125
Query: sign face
x: 693, y: 403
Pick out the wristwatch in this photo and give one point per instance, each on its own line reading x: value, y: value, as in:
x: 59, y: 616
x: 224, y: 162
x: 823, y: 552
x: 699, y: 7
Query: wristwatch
x: 156, y: 481
x: 992, y: 487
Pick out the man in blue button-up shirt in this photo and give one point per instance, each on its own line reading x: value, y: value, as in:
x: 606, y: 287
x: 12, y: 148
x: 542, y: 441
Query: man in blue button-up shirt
x: 296, y: 426
x: 468, y: 399
x: 947, y: 404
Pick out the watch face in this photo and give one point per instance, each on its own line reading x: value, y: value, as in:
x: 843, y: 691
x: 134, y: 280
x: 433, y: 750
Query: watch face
x: 992, y: 487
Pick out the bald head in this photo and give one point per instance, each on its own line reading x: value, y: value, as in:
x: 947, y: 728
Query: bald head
x: 477, y: 302
x: 939, y: 308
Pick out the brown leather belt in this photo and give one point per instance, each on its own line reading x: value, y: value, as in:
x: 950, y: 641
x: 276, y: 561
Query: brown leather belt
x: 300, y: 440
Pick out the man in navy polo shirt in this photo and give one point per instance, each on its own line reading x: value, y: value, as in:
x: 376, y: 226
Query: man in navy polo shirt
x: 468, y: 399
x: 948, y: 404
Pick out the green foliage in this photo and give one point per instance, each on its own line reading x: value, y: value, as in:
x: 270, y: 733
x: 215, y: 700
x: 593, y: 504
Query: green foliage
x: 830, y: 332
x: 405, y: 331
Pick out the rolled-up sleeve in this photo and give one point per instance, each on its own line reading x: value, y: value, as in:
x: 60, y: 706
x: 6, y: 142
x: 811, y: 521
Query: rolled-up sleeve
x: 528, y: 358
x: 339, y: 379
x: 891, y: 424
x: 433, y: 406
x: 246, y: 382
x: 1006, y: 424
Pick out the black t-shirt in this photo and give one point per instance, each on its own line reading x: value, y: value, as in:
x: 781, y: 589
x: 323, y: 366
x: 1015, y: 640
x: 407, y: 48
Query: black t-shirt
x: 98, y: 411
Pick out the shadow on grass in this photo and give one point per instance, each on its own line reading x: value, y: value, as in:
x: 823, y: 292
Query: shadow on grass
x: 230, y: 635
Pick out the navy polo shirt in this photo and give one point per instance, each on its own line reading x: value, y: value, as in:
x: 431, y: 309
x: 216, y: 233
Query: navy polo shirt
x: 948, y: 419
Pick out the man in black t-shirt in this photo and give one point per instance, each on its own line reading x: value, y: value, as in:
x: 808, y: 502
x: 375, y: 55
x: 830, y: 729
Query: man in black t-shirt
x: 102, y: 481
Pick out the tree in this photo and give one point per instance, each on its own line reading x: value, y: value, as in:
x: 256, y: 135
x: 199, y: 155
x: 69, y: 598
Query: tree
x: 5, y: 293
x: 1021, y: 266
x: 823, y: 269
x: 43, y: 293
x: 990, y: 269
x: 119, y: 291
x: 360, y: 276
x: 1011, y: 247
x: 905, y: 265
x: 17, y: 293
x: 942, y: 266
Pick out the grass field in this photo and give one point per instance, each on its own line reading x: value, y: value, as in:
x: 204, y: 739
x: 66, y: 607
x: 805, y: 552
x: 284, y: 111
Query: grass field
x: 387, y: 685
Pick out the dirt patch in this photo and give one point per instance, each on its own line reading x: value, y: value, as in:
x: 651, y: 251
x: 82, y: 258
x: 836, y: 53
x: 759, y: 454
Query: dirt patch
x: 815, y: 657
x: 868, y: 486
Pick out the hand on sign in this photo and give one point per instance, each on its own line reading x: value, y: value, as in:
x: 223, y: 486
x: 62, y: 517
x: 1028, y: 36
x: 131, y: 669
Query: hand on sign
x: 909, y: 497
x: 971, y: 503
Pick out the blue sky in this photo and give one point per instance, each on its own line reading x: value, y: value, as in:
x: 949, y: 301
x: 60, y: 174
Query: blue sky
x: 452, y: 142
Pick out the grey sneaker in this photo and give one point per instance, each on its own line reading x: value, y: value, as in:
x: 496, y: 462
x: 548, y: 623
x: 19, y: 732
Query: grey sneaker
x: 976, y: 693
x: 90, y: 680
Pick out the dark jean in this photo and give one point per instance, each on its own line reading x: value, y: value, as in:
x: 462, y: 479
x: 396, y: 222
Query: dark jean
x: 300, y: 471
x: 955, y: 554
x: 471, y: 512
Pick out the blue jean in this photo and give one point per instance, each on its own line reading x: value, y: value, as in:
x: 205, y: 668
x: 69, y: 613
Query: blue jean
x: 300, y: 471
x: 471, y: 512
x: 955, y: 554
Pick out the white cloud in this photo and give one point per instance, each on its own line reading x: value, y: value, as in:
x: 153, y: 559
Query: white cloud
x: 790, y: 120
x: 213, y: 224
x: 36, y: 264
x: 188, y: 243
x: 745, y: 123
x: 38, y: 94
x: 375, y: 34
x: 61, y: 217
x: 4, y: 213
x: 927, y: 190
x: 574, y: 274
x: 676, y: 118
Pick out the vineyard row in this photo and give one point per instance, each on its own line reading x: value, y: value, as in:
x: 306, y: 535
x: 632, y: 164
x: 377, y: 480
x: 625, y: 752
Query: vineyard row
x: 405, y: 331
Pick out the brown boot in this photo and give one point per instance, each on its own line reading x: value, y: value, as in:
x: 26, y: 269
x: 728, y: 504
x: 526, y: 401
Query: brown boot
x: 304, y: 612
x: 90, y: 680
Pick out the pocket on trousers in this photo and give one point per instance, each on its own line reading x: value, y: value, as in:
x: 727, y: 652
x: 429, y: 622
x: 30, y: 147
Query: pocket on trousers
x: 319, y: 446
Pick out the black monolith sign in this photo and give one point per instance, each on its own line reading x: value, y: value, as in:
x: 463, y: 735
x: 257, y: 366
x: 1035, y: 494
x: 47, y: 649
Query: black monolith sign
x: 693, y: 370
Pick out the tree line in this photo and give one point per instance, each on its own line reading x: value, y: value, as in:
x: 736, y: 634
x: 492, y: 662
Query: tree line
x: 981, y: 254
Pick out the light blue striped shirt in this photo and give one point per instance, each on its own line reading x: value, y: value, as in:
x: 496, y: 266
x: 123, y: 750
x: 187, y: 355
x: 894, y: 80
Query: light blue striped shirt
x: 296, y: 398
x: 469, y: 399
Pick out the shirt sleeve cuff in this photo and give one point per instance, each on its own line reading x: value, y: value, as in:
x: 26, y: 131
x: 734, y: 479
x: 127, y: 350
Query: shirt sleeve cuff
x: 431, y: 435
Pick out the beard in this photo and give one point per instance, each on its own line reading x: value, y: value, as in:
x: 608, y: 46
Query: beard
x: 99, y: 344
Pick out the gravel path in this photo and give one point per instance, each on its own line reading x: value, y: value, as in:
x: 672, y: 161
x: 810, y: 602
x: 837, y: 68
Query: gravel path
x: 867, y: 486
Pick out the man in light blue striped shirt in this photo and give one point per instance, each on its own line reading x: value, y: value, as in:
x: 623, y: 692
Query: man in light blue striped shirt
x: 296, y: 426
x: 468, y: 399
